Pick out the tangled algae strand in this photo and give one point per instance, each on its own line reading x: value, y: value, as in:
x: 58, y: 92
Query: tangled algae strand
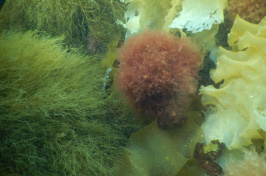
x: 73, y: 18
x: 39, y: 77
x: 52, y: 110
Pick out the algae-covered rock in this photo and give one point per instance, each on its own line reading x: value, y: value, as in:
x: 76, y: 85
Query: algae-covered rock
x: 153, y: 151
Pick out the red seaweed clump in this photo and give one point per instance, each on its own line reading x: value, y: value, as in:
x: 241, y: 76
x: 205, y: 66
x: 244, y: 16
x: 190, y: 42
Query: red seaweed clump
x: 158, y: 75
x: 250, y: 10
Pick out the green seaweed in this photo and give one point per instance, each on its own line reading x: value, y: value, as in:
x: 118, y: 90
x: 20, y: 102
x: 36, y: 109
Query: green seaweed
x: 54, y: 117
x: 58, y: 146
x: 39, y: 77
x: 76, y: 19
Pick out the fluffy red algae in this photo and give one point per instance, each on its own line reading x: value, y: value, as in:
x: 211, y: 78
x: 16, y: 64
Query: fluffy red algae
x: 250, y: 10
x: 158, y: 76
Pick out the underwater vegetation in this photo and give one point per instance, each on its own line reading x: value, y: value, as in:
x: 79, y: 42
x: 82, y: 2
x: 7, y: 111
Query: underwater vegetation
x: 39, y: 77
x: 158, y: 75
x: 211, y: 13
x: 250, y: 10
x: 75, y: 19
x: 238, y: 114
x: 154, y: 151
x: 71, y: 103
x: 235, y: 111
x: 251, y: 164
x: 143, y: 14
x: 54, y: 117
